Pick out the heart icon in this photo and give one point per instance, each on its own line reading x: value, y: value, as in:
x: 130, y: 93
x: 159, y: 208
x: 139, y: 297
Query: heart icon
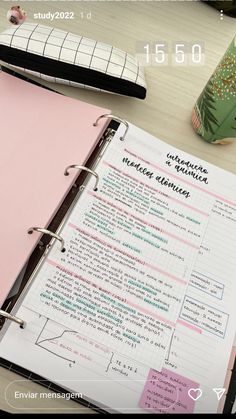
x: 195, y: 393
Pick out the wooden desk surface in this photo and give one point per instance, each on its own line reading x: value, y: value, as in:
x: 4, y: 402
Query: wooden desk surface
x: 172, y: 90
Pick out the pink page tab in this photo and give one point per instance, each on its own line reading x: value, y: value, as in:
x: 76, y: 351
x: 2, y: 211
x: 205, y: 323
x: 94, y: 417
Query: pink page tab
x: 167, y: 392
x: 41, y: 133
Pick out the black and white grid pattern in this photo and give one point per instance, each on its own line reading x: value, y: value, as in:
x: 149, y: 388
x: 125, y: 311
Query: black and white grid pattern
x: 77, y: 50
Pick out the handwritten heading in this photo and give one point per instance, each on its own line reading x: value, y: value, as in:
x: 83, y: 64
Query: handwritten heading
x: 159, y: 178
x: 196, y: 171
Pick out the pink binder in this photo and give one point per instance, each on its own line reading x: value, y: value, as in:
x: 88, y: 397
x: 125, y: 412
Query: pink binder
x: 41, y: 133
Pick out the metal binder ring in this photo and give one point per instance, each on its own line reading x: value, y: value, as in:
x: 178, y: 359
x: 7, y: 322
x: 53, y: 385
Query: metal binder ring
x: 116, y: 118
x: 9, y: 316
x: 75, y: 166
x: 50, y: 233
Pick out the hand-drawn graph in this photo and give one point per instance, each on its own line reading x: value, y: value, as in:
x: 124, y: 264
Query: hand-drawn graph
x: 78, y: 350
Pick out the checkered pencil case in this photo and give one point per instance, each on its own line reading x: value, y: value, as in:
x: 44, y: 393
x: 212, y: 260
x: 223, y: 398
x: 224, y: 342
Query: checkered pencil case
x: 62, y: 57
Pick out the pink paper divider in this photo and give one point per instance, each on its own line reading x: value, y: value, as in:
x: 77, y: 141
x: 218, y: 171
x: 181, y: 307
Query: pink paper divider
x: 42, y: 133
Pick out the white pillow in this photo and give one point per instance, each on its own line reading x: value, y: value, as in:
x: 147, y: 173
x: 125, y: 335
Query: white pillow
x: 62, y: 57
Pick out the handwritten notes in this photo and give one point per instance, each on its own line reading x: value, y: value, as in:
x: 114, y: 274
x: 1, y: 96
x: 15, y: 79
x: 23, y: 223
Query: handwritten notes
x: 130, y: 250
x: 167, y: 392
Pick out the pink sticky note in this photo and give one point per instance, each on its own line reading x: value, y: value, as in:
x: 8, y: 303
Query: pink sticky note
x: 167, y: 392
